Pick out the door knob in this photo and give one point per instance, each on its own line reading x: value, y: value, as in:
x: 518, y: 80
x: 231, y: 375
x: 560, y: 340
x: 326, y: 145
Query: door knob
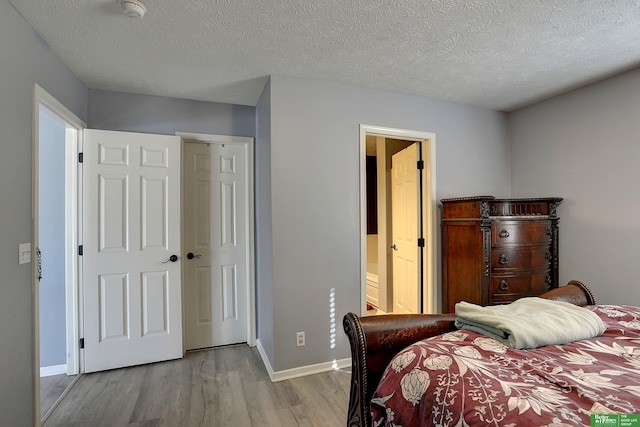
x: 191, y: 255
x: 172, y: 258
x: 394, y: 247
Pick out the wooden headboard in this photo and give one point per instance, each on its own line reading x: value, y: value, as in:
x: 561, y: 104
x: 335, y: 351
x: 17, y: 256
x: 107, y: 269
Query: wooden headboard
x: 376, y: 339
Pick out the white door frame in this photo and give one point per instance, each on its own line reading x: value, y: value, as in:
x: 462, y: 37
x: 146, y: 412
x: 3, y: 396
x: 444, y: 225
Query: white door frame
x: 73, y: 143
x: 248, y: 143
x: 430, y: 294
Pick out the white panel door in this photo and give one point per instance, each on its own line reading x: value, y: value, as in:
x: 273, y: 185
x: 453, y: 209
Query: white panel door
x: 215, y: 239
x: 131, y: 229
x: 405, y: 251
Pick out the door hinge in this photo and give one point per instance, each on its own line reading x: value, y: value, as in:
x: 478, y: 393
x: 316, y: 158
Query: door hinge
x: 80, y: 250
x: 420, y: 164
x: 80, y: 157
x: 421, y: 242
x: 81, y: 342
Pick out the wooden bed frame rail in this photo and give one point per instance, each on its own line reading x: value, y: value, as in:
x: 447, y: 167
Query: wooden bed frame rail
x: 376, y: 339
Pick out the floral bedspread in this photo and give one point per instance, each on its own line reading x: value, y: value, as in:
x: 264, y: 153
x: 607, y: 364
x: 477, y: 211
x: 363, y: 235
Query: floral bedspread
x: 463, y: 378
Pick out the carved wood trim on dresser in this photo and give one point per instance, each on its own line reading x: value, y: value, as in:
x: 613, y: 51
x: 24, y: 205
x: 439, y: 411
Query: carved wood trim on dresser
x: 495, y: 251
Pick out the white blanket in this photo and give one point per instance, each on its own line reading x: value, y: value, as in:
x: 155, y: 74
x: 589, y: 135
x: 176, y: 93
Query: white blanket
x: 530, y: 322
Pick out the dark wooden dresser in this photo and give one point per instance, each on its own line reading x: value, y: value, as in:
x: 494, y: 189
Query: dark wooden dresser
x: 495, y: 251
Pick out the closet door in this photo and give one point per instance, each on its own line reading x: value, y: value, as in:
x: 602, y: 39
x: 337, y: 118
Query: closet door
x: 215, y: 238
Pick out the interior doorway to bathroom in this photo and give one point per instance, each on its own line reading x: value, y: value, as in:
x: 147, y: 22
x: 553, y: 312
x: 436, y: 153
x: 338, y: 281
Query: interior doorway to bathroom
x: 398, y: 238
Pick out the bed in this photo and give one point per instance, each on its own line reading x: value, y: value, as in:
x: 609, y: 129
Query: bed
x: 419, y: 370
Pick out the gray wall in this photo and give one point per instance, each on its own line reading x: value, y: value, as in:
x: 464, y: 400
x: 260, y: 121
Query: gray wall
x: 315, y: 195
x: 264, y: 240
x: 160, y: 115
x: 25, y: 60
x: 584, y: 146
x: 51, y: 190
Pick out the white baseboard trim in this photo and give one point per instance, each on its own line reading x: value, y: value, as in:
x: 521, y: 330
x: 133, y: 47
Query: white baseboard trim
x: 301, y: 371
x: 318, y: 368
x: 265, y: 359
x: 49, y: 371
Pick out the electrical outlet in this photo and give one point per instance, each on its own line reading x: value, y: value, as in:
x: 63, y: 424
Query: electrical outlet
x: 300, y: 339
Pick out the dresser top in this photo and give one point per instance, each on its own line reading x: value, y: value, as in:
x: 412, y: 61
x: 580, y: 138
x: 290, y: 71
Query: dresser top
x: 510, y: 200
x: 490, y: 207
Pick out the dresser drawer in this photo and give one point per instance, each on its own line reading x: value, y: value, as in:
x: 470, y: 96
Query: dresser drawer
x: 509, y: 258
x: 531, y: 231
x: 506, y: 288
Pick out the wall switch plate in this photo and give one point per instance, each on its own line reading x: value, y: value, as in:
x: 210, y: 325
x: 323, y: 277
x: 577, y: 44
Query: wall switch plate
x: 300, y: 339
x: 24, y: 253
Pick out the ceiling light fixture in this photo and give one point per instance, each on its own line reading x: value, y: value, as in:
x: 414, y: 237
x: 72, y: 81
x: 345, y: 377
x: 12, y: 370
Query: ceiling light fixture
x: 133, y: 8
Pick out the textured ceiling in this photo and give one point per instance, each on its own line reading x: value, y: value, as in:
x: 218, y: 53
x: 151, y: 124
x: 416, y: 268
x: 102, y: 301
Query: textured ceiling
x: 500, y: 54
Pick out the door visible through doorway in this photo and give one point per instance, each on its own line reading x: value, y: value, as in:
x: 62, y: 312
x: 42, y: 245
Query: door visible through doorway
x: 405, y: 216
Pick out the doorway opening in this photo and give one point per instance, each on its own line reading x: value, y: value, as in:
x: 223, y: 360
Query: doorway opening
x: 56, y: 142
x: 413, y: 283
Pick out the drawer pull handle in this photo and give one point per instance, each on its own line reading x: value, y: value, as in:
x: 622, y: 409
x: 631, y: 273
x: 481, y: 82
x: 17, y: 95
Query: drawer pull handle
x: 504, y: 234
x: 504, y: 285
x: 503, y: 259
x: 548, y: 279
x: 547, y: 256
x: 549, y: 231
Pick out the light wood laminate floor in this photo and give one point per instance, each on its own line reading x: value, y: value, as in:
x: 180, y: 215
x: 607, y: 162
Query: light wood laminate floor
x: 51, y: 388
x: 226, y: 386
